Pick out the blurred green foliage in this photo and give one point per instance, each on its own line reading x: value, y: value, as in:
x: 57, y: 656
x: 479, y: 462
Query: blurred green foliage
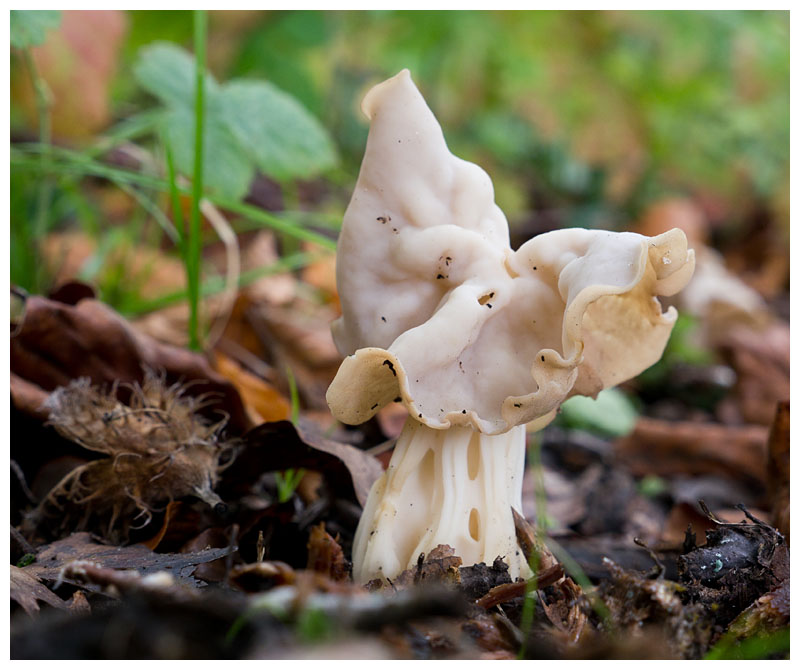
x: 29, y: 28
x: 766, y: 646
x: 581, y: 118
x: 248, y: 124
x: 681, y: 94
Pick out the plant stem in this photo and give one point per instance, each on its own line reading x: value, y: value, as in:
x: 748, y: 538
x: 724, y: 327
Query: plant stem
x: 193, y: 247
x: 293, y: 395
x: 214, y: 285
x: 531, y: 588
x: 45, y: 190
x: 175, y: 199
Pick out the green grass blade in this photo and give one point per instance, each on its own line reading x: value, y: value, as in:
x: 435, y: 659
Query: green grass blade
x: 193, y: 247
x: 214, y: 285
x: 72, y: 162
x: 175, y: 199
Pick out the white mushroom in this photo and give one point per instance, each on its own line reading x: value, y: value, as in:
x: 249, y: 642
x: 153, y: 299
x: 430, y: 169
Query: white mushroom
x: 475, y: 339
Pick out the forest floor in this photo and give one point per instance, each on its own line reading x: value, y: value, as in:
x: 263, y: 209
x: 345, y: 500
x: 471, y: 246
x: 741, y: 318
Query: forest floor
x: 172, y: 504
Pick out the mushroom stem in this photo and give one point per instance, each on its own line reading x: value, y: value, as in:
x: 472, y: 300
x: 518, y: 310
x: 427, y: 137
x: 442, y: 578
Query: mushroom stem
x: 454, y: 486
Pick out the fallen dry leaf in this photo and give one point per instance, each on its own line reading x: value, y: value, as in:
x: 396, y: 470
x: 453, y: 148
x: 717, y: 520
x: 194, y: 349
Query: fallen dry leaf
x: 778, y: 483
x: 761, y: 360
x: 321, y: 273
x: 636, y: 602
x: 79, y: 604
x: 689, y: 447
x: 28, y: 397
x: 58, y: 342
x: 565, y: 608
x: 52, y: 558
x: 259, y: 251
x: 348, y: 471
x: 298, y: 337
x: 441, y: 565
x: 683, y: 517
x: 530, y: 544
x: 169, y: 513
x: 215, y: 537
x: 325, y: 555
x: 485, y: 631
x: 262, y: 400
x: 262, y: 576
x: 28, y: 591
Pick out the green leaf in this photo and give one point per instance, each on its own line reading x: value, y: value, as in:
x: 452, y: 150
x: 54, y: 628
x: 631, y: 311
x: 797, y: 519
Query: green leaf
x: 611, y: 414
x: 227, y: 169
x: 247, y: 124
x: 168, y: 72
x: 283, y: 138
x: 29, y: 27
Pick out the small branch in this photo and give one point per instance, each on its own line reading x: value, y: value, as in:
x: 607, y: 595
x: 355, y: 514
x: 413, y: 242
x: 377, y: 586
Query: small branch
x: 232, y: 271
x: 504, y: 592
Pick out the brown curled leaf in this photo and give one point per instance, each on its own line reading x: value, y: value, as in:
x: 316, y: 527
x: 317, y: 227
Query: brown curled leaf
x: 778, y: 469
x: 325, y: 555
x: 672, y: 448
x: 28, y: 591
x: 54, y: 557
x: 59, y: 342
x: 348, y: 471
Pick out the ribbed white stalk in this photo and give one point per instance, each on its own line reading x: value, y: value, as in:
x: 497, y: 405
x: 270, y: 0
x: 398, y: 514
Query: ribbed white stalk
x: 456, y: 487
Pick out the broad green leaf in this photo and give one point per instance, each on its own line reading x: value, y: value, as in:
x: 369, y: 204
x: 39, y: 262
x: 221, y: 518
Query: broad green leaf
x: 29, y: 27
x: 611, y: 414
x: 227, y: 169
x: 283, y: 138
x: 168, y: 72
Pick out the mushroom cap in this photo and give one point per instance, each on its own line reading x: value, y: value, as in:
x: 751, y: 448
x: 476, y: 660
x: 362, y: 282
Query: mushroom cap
x: 439, y: 313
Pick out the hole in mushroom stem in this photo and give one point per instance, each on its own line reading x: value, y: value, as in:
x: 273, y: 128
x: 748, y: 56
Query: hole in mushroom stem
x: 485, y: 298
x: 473, y: 456
x: 474, y: 524
x: 427, y: 471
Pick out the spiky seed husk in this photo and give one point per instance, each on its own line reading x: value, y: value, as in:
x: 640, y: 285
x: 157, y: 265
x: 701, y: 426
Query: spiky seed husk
x: 158, y: 449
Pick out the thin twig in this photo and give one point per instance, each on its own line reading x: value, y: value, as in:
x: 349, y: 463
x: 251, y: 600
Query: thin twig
x: 27, y: 547
x: 22, y: 483
x: 233, y: 269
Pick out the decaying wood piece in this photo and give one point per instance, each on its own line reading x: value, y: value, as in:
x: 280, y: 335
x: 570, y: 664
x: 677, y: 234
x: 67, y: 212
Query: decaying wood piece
x: 739, y: 563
